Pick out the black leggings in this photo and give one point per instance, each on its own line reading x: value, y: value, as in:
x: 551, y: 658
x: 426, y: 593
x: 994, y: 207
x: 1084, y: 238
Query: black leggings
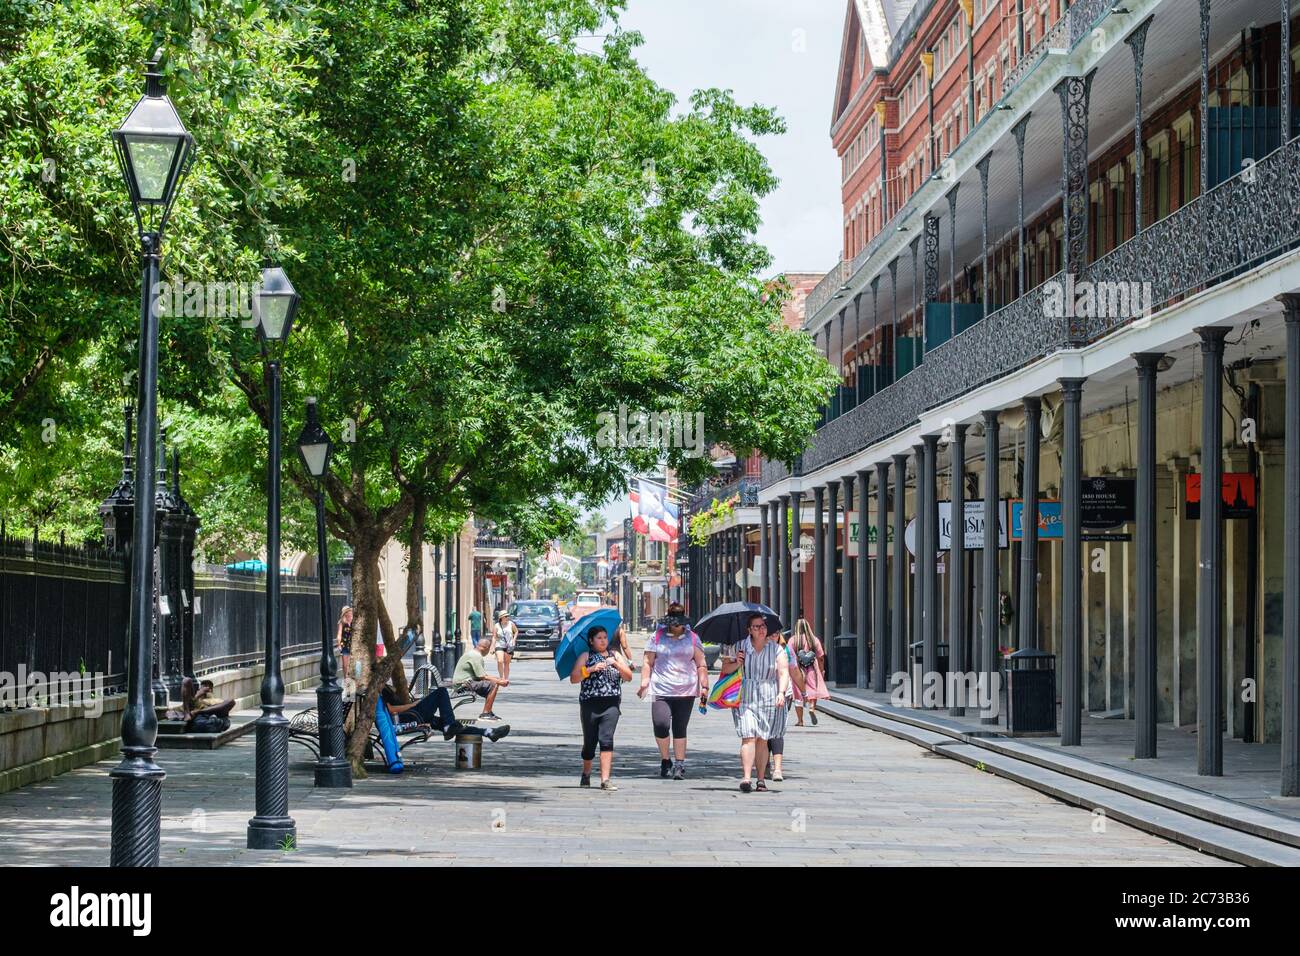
x: 674, y: 712
x: 776, y: 746
x: 599, y: 718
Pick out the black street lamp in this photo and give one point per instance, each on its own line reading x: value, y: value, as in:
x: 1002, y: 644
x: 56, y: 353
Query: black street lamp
x: 332, y: 768
x: 274, y: 305
x: 154, y: 151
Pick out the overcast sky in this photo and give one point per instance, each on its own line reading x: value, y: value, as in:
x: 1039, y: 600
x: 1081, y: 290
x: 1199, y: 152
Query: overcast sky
x: 780, y: 53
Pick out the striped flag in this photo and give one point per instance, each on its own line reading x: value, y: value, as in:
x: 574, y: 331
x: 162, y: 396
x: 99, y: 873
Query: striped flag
x: 652, y: 515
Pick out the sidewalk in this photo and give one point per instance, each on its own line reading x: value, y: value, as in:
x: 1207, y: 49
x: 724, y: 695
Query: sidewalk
x: 1241, y: 800
x: 850, y: 797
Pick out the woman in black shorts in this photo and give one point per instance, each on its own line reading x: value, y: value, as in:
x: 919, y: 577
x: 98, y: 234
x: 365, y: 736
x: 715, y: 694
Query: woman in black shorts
x: 601, y: 672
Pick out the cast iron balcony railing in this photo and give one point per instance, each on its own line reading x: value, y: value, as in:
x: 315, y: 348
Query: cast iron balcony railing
x: 1245, y: 221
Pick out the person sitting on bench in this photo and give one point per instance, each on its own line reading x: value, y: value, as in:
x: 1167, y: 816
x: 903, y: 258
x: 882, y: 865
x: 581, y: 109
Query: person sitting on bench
x: 435, y: 710
x: 471, y: 676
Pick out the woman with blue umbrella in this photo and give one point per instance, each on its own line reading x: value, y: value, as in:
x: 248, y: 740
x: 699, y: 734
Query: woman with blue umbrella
x: 601, y: 672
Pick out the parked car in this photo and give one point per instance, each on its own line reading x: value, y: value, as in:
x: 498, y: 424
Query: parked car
x: 540, y: 623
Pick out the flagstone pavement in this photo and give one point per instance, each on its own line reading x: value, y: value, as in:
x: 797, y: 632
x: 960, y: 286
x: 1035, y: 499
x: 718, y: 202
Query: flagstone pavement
x: 851, y: 796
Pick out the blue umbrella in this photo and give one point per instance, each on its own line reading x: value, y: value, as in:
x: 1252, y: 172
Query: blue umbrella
x: 574, y: 642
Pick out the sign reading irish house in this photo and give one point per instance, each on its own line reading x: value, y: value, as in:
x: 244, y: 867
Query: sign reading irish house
x: 1238, y: 495
x: 1107, y: 502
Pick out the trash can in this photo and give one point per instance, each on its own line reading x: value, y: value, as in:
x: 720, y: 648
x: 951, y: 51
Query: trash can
x: 846, y: 661
x: 1031, y: 693
x: 469, y: 751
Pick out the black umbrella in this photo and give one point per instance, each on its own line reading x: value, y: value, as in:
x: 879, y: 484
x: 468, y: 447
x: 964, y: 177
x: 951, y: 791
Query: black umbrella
x: 729, y: 624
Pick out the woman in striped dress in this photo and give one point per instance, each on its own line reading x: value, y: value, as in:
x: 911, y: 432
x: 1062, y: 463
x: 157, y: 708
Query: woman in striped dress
x: 765, y: 685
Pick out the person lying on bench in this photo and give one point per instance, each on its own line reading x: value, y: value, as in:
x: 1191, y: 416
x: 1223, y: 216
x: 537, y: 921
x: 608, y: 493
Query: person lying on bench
x: 435, y: 710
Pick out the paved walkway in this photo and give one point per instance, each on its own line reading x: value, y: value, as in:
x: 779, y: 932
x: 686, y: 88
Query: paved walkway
x: 851, y: 796
x: 1252, y: 773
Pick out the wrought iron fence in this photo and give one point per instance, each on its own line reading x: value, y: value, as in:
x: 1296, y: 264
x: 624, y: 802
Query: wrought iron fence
x: 230, y: 617
x: 63, y: 610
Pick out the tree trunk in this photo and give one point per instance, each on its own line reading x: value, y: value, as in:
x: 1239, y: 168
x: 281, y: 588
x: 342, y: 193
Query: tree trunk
x: 415, y: 567
x: 370, y: 617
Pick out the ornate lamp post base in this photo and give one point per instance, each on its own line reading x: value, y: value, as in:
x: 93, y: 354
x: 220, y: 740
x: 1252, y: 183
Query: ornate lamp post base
x: 332, y: 769
x: 137, y: 810
x: 272, y: 828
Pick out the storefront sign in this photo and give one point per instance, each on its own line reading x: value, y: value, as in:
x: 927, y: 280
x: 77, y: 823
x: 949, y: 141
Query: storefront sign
x: 873, y: 536
x: 1107, y: 502
x: 1049, y: 520
x: 1238, y: 495
x: 974, y: 539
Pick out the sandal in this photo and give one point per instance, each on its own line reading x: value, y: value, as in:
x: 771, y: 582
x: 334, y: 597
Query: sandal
x: 761, y: 786
x: 746, y: 786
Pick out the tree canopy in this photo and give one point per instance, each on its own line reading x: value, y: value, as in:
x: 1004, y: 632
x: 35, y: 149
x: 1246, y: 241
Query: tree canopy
x: 501, y: 228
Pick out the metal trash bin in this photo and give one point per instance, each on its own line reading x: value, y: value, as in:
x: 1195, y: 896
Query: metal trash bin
x: 1031, y: 693
x: 846, y: 660
x: 469, y: 751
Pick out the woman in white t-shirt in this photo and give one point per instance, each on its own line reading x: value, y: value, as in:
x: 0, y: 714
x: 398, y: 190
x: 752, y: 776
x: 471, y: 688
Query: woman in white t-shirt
x: 675, y: 672
x: 506, y: 634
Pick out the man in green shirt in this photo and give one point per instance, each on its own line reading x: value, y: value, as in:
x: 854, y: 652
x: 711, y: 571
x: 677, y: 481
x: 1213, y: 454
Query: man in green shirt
x: 471, y: 674
x: 475, y: 625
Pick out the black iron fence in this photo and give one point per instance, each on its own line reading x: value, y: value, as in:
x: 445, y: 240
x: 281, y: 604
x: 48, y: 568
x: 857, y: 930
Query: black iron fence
x: 64, y: 610
x: 230, y: 617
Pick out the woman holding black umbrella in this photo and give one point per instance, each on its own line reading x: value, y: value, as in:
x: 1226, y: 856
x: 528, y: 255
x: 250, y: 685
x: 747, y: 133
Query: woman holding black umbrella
x: 765, y: 688
x: 675, y: 672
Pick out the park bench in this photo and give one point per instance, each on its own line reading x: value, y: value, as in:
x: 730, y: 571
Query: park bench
x: 304, y: 728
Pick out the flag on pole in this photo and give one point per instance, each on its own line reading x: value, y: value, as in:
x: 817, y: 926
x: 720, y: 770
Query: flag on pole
x: 652, y: 516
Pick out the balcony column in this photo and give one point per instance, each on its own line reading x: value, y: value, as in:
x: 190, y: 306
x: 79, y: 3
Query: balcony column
x: 1209, y: 593
x: 952, y: 260
x: 829, y: 567
x: 1144, y: 746
x: 880, y: 658
x: 915, y: 246
x: 893, y: 324
x: 1291, y: 556
x: 931, y: 275
x: 990, y: 625
x: 1018, y: 132
x: 848, y: 601
x: 857, y: 350
x: 929, y: 537
x: 1071, y: 563
x: 1137, y: 41
x: 1284, y: 81
x: 774, y: 548
x: 764, y: 579
x: 918, y: 576
x: 983, y: 167
x: 785, y: 586
x: 897, y: 660
x: 794, y: 567
x: 1205, y: 97
x: 867, y: 635
x: 1028, y: 612
x: 957, y: 568
x: 1073, y: 92
x: 819, y: 563
x: 877, y: 353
